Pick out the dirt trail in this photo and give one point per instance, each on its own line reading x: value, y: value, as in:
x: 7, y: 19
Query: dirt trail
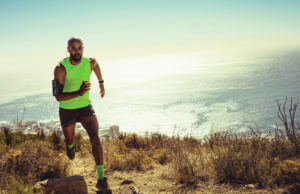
x: 84, y: 167
x: 144, y: 182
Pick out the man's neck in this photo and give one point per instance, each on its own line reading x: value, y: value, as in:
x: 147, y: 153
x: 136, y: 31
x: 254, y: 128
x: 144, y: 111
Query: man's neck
x: 74, y: 62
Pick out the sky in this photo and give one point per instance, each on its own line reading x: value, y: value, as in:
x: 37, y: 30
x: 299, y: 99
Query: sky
x: 34, y: 34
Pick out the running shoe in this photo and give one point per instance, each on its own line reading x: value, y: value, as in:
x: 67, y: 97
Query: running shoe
x: 71, y: 152
x: 102, y: 185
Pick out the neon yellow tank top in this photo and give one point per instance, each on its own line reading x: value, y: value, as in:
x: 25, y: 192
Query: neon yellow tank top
x: 75, y: 74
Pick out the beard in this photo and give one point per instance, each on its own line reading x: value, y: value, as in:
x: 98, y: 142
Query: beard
x: 76, y: 57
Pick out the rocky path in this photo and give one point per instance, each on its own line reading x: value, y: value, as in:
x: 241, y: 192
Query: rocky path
x: 84, y: 167
x: 150, y: 181
x: 120, y: 182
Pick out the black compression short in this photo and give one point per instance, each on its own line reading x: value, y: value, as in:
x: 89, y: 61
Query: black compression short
x: 70, y: 116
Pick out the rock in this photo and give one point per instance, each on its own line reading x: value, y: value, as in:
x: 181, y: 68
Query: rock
x: 73, y: 184
x: 250, y: 186
x: 126, y: 182
x: 128, y: 189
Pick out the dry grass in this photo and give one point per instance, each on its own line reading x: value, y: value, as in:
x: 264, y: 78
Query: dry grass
x: 123, y: 158
x: 28, y: 162
x: 189, y: 163
x: 222, y: 157
x: 267, y: 160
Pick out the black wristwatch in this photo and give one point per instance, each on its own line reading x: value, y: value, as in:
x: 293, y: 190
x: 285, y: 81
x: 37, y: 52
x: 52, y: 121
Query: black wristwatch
x: 102, y: 81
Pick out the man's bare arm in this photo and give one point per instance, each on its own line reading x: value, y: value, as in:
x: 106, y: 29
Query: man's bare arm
x: 59, y: 75
x: 95, y: 66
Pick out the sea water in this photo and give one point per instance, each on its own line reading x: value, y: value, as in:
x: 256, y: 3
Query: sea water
x: 183, y: 95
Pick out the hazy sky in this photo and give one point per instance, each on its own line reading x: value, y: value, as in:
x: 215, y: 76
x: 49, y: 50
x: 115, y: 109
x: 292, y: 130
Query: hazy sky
x: 34, y: 34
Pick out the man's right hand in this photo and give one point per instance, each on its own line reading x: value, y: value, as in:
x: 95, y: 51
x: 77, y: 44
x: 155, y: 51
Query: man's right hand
x: 85, y: 86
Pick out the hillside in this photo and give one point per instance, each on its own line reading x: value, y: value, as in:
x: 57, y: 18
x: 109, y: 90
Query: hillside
x: 220, y: 163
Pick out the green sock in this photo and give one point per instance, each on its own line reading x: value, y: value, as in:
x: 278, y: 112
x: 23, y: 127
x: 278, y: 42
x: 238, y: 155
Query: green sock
x: 70, y: 146
x: 100, y: 170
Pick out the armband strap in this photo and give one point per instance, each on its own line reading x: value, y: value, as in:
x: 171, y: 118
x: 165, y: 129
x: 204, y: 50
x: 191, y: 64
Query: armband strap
x: 57, y: 88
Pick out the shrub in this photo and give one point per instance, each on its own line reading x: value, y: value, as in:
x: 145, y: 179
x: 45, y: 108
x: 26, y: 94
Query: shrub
x: 134, y: 141
x: 41, y: 135
x: 134, y: 160
x: 17, y: 185
x: 188, y: 167
x: 164, y: 156
x: 34, y: 160
x: 8, y: 136
x: 286, y: 172
x: 292, y: 131
x: 159, y: 140
x: 241, y: 163
x: 78, y: 142
x: 55, y: 140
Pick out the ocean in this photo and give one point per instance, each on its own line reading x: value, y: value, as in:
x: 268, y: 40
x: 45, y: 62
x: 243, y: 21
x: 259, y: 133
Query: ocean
x: 185, y: 95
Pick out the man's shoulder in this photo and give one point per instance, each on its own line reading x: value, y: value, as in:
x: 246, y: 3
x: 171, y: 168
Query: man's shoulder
x: 60, y: 68
x: 92, y: 60
x: 62, y: 62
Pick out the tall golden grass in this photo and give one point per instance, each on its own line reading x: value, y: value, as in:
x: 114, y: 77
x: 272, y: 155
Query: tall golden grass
x: 268, y: 159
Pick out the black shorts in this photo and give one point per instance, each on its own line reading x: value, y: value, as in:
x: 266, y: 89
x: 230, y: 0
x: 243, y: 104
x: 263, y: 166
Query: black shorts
x: 70, y: 116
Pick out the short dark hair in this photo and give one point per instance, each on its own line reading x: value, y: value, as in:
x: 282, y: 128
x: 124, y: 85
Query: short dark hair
x: 74, y: 39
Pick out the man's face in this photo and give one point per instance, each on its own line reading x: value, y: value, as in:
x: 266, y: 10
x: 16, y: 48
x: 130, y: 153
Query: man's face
x: 75, y: 50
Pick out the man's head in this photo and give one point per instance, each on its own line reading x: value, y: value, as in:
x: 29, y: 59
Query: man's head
x: 75, y: 48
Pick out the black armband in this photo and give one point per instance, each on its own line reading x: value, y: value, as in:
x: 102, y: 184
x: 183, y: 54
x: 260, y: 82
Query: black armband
x: 57, y: 88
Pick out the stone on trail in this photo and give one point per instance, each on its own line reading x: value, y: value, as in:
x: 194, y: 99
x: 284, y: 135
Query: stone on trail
x: 250, y: 186
x: 72, y: 184
x: 128, y: 189
x: 126, y: 182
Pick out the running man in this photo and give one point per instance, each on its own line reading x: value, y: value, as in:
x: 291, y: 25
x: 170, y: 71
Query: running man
x: 71, y: 87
